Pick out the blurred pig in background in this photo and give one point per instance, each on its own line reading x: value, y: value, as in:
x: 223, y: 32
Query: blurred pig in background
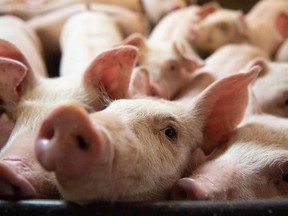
x: 267, y: 22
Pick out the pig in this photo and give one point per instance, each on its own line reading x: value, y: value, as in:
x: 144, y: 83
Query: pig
x: 135, y: 149
x: 205, y: 27
x: 167, y: 64
x: 48, y: 26
x: 251, y: 165
x: 84, y: 36
x: 26, y: 10
x: 241, y: 57
x: 153, y: 10
x: 27, y: 97
x: 271, y: 90
x: 20, y: 34
x: 267, y: 24
x: 6, y: 128
x: 234, y: 57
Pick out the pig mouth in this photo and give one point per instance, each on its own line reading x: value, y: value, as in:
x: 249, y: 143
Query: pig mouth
x: 12, y: 184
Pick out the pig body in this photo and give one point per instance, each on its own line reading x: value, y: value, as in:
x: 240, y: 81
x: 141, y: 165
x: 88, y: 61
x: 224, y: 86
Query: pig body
x: 205, y: 27
x: 48, y: 26
x: 217, y: 66
x: 84, y: 36
x: 142, y: 145
x: 27, y: 98
x: 252, y: 165
x: 276, y: 83
x: 21, y: 35
x: 269, y: 31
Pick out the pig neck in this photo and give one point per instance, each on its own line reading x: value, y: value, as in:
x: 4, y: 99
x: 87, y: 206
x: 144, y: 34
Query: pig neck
x: 263, y: 133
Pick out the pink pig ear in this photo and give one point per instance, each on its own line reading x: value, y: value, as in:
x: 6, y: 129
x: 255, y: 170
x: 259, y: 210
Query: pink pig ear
x: 12, y: 74
x: 135, y: 39
x: 258, y: 61
x: 207, y: 9
x: 191, y: 59
x: 282, y: 24
x: 222, y: 106
x: 140, y: 84
x: 111, y: 70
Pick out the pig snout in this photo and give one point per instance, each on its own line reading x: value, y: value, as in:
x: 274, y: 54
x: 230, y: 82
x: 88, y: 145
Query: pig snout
x: 12, y: 184
x: 68, y: 143
x: 188, y: 189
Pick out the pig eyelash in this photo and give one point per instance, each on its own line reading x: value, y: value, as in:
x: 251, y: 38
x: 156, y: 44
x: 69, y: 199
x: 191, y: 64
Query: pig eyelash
x: 170, y: 133
x: 285, y: 177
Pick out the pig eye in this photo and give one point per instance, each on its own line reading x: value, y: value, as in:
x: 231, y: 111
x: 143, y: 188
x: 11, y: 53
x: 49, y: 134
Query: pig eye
x: 286, y: 102
x: 171, y: 133
x: 224, y: 27
x: 285, y: 177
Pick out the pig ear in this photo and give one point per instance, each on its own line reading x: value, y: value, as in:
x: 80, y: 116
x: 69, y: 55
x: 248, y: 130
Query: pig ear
x: 135, y: 39
x: 12, y: 74
x: 241, y: 25
x: 258, y: 61
x: 140, y: 84
x: 111, y: 70
x: 191, y: 60
x: 207, y: 9
x: 282, y: 24
x: 222, y: 106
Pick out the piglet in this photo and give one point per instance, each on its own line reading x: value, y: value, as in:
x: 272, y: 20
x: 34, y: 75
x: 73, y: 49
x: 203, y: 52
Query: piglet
x: 205, y: 27
x: 135, y: 149
x: 26, y: 98
x: 165, y: 65
x: 84, y: 36
x: 271, y: 90
x: 251, y: 165
x: 267, y: 24
x: 20, y: 34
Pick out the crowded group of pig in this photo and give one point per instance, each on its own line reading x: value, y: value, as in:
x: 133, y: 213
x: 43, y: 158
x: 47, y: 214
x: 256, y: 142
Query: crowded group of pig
x: 152, y: 100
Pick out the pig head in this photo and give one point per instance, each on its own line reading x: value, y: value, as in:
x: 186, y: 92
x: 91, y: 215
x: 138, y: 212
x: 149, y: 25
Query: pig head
x: 135, y: 149
x: 251, y: 165
x: 26, y: 98
x: 167, y: 64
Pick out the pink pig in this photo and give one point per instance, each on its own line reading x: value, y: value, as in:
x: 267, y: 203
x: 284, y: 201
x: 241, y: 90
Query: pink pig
x: 20, y: 34
x: 267, y: 24
x: 84, y: 36
x: 142, y: 145
x: 48, y: 26
x: 205, y: 27
x: 27, y: 97
x: 166, y: 64
x: 271, y: 89
x: 251, y: 165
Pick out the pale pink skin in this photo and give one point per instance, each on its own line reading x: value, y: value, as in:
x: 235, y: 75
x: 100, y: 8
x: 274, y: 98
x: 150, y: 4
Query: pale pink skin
x: 84, y: 36
x: 27, y: 98
x: 165, y: 65
x: 17, y: 31
x: 205, y: 27
x: 282, y: 52
x: 250, y: 166
x: 216, y: 67
x: 239, y: 56
x: 155, y: 10
x: 271, y: 89
x: 144, y: 145
x: 26, y: 11
x: 274, y: 19
x: 49, y: 25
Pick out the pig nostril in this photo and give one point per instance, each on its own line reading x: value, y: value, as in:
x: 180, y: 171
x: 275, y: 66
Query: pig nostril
x: 82, y: 143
